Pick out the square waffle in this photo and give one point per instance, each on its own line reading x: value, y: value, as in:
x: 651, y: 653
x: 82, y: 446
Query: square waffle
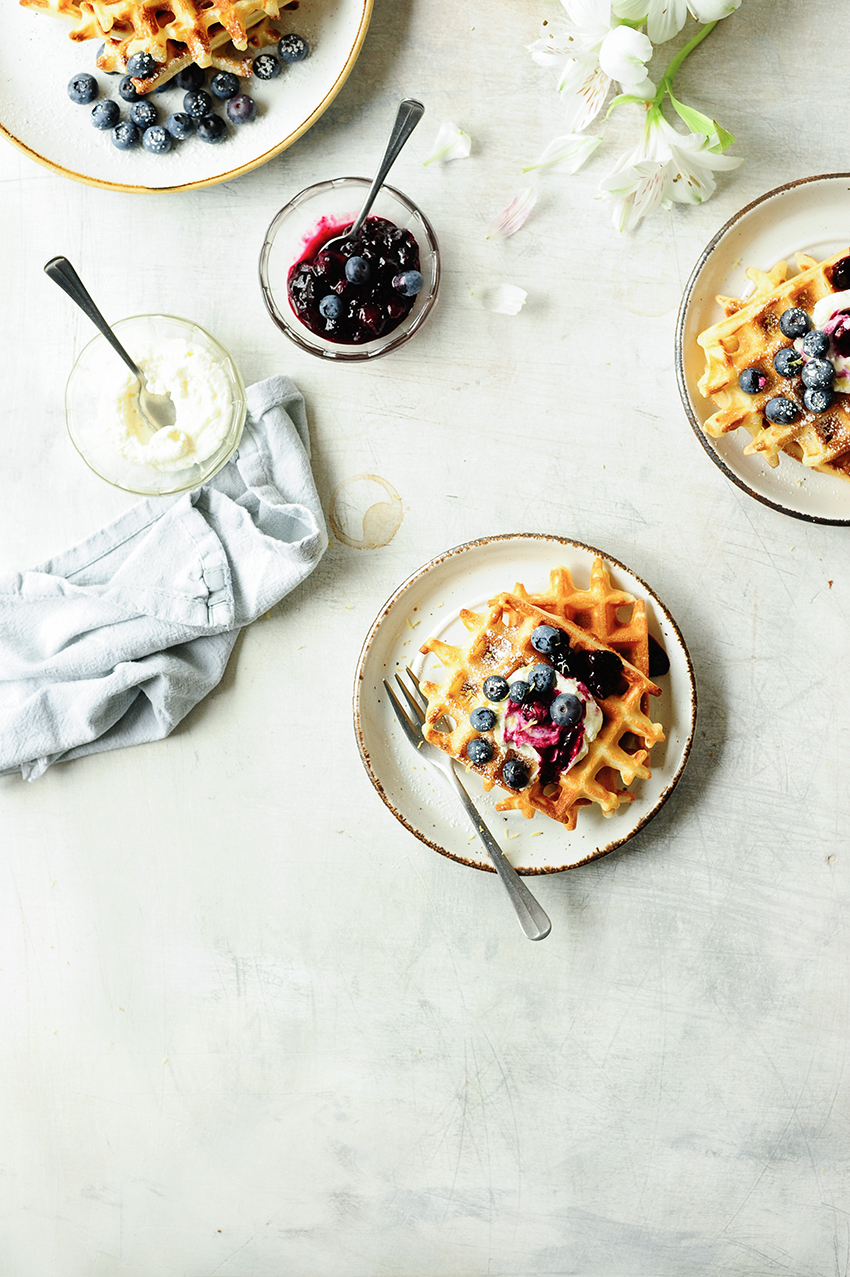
x: 500, y: 643
x: 748, y: 337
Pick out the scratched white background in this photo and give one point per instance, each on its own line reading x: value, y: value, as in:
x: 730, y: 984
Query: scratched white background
x: 250, y: 1026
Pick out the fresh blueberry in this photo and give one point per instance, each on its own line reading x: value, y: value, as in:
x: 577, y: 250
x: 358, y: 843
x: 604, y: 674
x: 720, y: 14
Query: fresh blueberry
x: 787, y: 362
x: 266, y: 66
x: 479, y: 750
x: 331, y: 306
x: 197, y: 103
x: 546, y: 639
x: 818, y: 373
x: 840, y: 275
x: 211, y: 128
x: 495, y: 688
x: 156, y: 139
x: 104, y: 115
x: 515, y: 774
x: 180, y: 125
x: 816, y: 343
x: 519, y: 691
x: 542, y: 679
x: 408, y: 283
x: 190, y: 78
x: 752, y: 381
x: 125, y: 135
x: 794, y: 322
x: 224, y: 85
x: 483, y: 719
x: 128, y: 90
x: 292, y: 48
x: 241, y: 109
x: 818, y: 398
x: 357, y: 270
x: 565, y: 710
x: 143, y: 114
x: 141, y: 66
x: 781, y: 411
x: 82, y: 88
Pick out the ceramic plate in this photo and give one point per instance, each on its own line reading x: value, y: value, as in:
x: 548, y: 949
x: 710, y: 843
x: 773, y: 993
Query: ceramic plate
x: 810, y: 216
x: 428, y: 605
x: 39, y: 117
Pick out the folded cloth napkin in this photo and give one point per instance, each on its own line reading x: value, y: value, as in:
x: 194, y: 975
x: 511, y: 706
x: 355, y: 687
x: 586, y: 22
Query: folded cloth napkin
x: 114, y: 641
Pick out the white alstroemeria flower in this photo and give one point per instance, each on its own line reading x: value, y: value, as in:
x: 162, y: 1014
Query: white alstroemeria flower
x: 503, y: 299
x: 514, y: 217
x: 566, y: 154
x: 451, y: 143
x: 666, y: 167
x: 598, y: 50
x: 665, y: 18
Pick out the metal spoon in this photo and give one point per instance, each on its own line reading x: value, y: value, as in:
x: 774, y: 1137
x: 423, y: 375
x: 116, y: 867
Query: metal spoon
x: 409, y: 114
x: 158, y: 410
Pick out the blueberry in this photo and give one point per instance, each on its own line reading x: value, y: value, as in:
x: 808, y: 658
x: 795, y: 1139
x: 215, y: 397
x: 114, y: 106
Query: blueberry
x: 104, y: 115
x: 542, y: 679
x: 143, y: 114
x: 816, y: 343
x: 515, y: 774
x: 331, y: 306
x: 818, y: 373
x: 819, y: 398
x: 519, y: 691
x: 180, y: 125
x: 125, y: 135
x: 156, y: 139
x: 266, y: 66
x: 197, y: 103
x: 495, y: 687
x: 794, y: 322
x: 752, y: 381
x: 141, y: 66
x: 602, y: 673
x: 357, y: 270
x: 840, y: 275
x: 128, y: 90
x: 241, y: 109
x: 566, y: 710
x: 224, y: 84
x: 546, y: 639
x: 82, y: 88
x: 190, y: 78
x: 483, y: 719
x: 211, y: 128
x: 408, y: 283
x: 787, y: 362
x: 162, y: 88
x: 479, y: 750
x: 292, y: 48
x: 781, y: 411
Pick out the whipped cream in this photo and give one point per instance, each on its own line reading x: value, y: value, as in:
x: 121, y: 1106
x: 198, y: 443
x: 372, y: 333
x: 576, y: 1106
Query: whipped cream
x: 822, y: 312
x: 506, y: 738
x: 200, y: 390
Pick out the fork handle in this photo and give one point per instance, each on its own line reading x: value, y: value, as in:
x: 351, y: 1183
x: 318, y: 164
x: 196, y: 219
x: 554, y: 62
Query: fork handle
x: 532, y: 918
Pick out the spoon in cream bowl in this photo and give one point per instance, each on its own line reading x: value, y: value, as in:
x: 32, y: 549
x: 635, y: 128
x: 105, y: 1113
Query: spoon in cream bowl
x: 158, y: 410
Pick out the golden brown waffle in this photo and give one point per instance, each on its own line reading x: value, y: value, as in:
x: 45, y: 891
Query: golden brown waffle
x: 749, y: 337
x: 500, y: 643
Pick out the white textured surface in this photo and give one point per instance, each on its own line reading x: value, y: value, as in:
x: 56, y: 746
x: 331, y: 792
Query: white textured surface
x: 250, y: 1025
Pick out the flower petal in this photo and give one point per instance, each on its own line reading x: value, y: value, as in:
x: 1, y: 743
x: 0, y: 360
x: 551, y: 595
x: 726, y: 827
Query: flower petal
x: 451, y: 143
x: 504, y: 299
x: 566, y: 154
x: 712, y: 10
x: 631, y: 10
x: 623, y: 55
x: 514, y: 217
x: 585, y: 103
x: 665, y: 18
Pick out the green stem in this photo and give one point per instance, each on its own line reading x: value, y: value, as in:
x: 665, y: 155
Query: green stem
x: 666, y: 82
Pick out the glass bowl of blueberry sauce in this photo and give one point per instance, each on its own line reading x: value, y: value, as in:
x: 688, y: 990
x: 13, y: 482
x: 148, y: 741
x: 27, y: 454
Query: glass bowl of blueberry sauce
x: 375, y: 309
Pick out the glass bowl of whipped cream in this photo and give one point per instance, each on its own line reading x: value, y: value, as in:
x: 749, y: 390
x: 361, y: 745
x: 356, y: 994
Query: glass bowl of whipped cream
x: 111, y: 435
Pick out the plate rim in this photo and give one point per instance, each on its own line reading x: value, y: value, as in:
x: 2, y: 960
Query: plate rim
x: 231, y: 174
x: 679, y: 360
x: 465, y: 547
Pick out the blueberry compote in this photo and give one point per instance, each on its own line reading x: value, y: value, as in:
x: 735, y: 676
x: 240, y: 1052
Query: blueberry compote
x: 371, y: 307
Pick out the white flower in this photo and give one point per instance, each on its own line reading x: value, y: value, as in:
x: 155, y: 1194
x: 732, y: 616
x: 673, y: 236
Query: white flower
x: 665, y: 18
x: 451, y: 143
x: 598, y: 50
x: 512, y: 218
x: 504, y: 299
x: 567, y: 154
x: 666, y: 167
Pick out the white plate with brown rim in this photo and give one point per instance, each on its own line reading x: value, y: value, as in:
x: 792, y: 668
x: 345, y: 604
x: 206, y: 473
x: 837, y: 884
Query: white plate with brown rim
x: 42, y: 121
x: 812, y: 216
x: 428, y: 605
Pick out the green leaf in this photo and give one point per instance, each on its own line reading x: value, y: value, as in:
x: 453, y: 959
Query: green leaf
x: 622, y: 100
x: 699, y: 123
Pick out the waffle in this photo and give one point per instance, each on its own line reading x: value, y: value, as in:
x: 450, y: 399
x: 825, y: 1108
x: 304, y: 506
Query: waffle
x: 749, y: 336
x: 500, y: 643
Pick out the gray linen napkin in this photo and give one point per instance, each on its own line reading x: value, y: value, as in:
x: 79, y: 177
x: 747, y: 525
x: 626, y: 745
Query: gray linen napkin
x: 114, y: 641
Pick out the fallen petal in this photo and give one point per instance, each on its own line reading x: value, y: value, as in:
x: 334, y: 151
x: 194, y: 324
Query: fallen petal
x: 514, y: 217
x: 451, y: 143
x: 504, y: 299
x: 566, y: 154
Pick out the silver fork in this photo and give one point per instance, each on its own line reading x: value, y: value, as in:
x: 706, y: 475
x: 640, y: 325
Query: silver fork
x: 532, y: 918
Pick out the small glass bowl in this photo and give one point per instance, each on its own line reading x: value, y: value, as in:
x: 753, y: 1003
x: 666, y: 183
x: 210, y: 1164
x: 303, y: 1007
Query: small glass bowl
x: 85, y: 409
x: 293, y: 229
